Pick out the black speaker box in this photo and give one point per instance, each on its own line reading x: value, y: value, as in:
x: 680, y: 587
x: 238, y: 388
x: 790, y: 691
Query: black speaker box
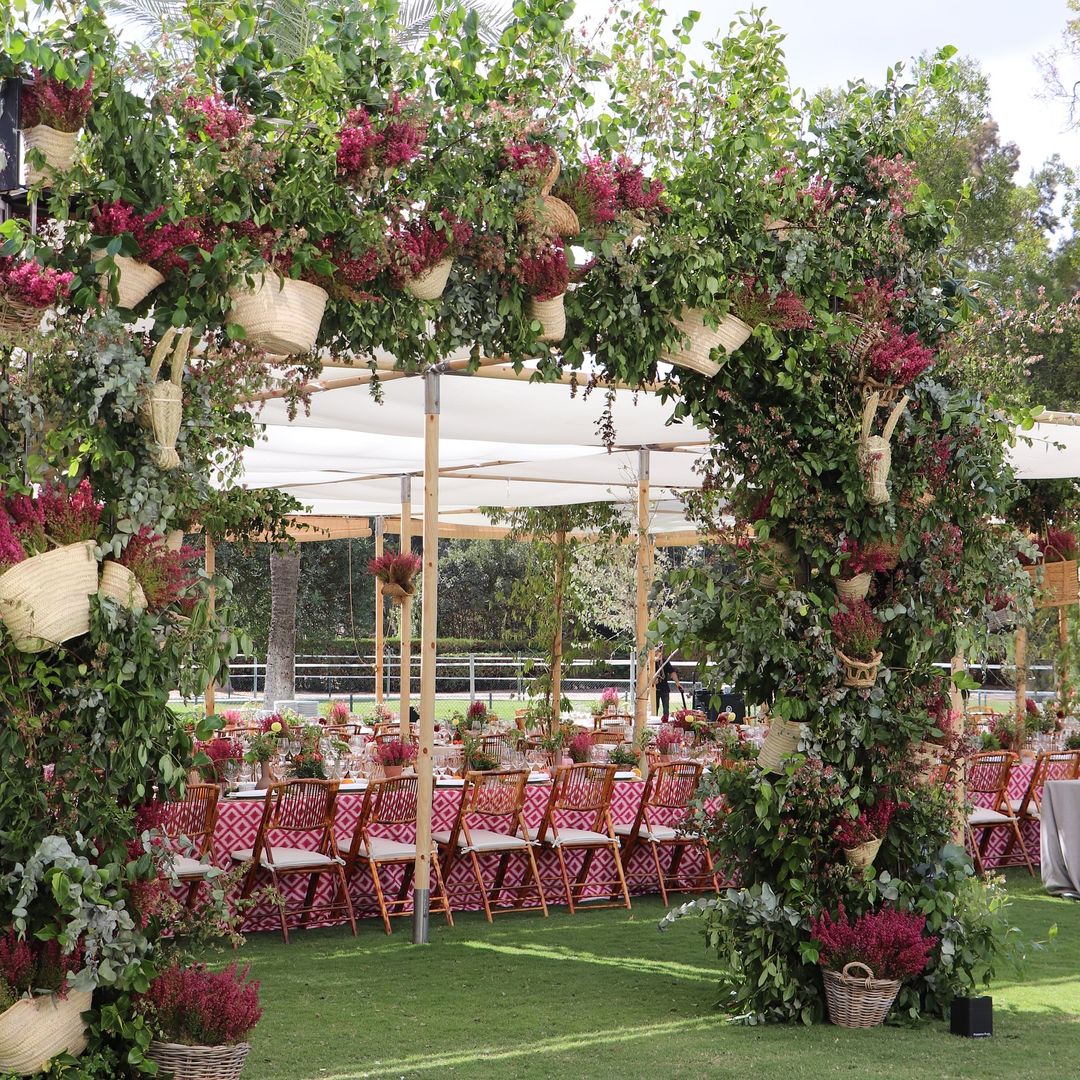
x: 973, y: 1017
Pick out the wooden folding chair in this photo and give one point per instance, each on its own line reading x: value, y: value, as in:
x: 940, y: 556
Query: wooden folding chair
x: 293, y: 809
x: 394, y: 735
x: 501, y: 747
x: 1049, y: 765
x: 662, y: 814
x: 612, y: 718
x: 585, y: 791
x: 193, y: 819
x: 497, y: 801
x: 390, y: 803
x: 987, y: 774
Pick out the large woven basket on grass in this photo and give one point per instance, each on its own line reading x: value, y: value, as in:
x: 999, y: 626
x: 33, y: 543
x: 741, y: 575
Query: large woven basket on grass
x: 1056, y: 583
x: 17, y: 320
x: 855, y: 1002
x: 45, y: 600
x: 862, y: 674
x: 35, y: 1030
x: 431, y: 284
x: 701, y: 340
x: 863, y: 855
x: 57, y: 146
x: 280, y: 315
x: 853, y: 588
x: 198, y: 1062
x: 122, y: 585
x: 135, y: 280
x: 551, y: 315
x: 780, y: 743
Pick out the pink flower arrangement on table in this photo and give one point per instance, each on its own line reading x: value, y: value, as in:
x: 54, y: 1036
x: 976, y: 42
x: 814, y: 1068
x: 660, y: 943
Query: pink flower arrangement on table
x: 28, y: 282
x: 199, y: 1007
x: 476, y: 713
x: 216, y: 119
x: 275, y: 724
x: 159, y: 243
x: 892, y: 943
x: 579, y: 747
x: 609, y: 696
x: 544, y: 271
x: 55, y: 104
x: 872, y: 823
x: 669, y: 740
x: 396, y: 752
x: 339, y: 713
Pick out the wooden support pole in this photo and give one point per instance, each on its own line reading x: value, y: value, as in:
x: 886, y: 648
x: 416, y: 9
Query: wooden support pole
x: 641, y: 613
x: 956, y: 727
x: 1021, y: 681
x: 380, y: 617
x: 555, y: 681
x: 209, y: 556
x: 428, y: 657
x: 405, y: 676
x: 1063, y: 656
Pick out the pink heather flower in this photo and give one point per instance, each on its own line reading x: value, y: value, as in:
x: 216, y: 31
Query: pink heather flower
x: 11, y: 551
x: 69, y: 517
x: 30, y: 283
x: 533, y: 159
x: 899, y: 358
x: 55, y: 104
x: 599, y: 191
x: 200, y: 1007
x: 609, y: 696
x: 545, y: 272
x: 893, y: 944
x: 220, y: 121
x: 635, y: 192
x: 476, y: 711
x: 357, y: 144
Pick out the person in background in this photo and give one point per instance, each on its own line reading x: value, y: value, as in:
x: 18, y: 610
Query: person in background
x: 665, y: 672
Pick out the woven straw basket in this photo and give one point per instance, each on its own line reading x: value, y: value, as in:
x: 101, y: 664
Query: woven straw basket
x: 135, y: 280
x: 853, y: 588
x: 396, y: 592
x: 551, y: 315
x: 431, y: 284
x: 281, y: 316
x: 863, y: 855
x: 782, y: 741
x: 57, y: 146
x: 862, y: 674
x: 35, y: 1030
x: 45, y: 599
x: 163, y: 405
x: 198, y: 1062
x: 17, y: 320
x: 780, y: 228
x: 1056, y: 582
x: 554, y: 214
x: 552, y: 176
x: 858, y: 1003
x: 702, y: 340
x: 875, y: 460
x: 122, y: 585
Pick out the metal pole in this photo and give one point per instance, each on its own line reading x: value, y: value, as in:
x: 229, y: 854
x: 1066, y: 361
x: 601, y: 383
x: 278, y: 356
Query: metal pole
x: 472, y: 677
x: 405, y: 673
x: 379, y: 616
x: 428, y: 658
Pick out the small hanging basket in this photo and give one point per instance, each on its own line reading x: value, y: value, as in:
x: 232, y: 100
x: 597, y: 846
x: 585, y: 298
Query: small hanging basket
x: 551, y: 315
x: 780, y: 743
x: 57, y: 146
x: 701, y: 340
x: 163, y: 405
x: 1055, y: 582
x: 855, y: 1002
x: 17, y: 320
x: 280, y: 315
x: 780, y: 228
x: 35, y: 1030
x: 869, y: 334
x: 182, y: 1062
x: 853, y: 588
x: 135, y: 280
x: 118, y: 582
x: 875, y: 455
x: 431, y: 284
x: 862, y: 674
x: 45, y: 600
x: 863, y: 855
x: 397, y: 593
x: 552, y: 176
x: 553, y: 214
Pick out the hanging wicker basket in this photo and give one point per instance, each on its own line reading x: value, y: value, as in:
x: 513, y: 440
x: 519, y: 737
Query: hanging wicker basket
x: 57, y: 146
x: 855, y: 1002
x: 701, y: 341
x: 1055, y: 582
x: 863, y: 855
x: 45, y: 600
x: 875, y: 455
x: 431, y: 284
x: 163, y: 405
x: 780, y: 228
x: 280, y: 315
x: 397, y: 593
x: 780, y: 743
x: 869, y: 334
x: 199, y: 1062
x: 853, y: 588
x: 551, y: 315
x: 17, y: 320
x: 553, y: 214
x: 552, y: 176
x: 862, y: 674
x: 35, y: 1030
x: 118, y: 582
x: 135, y: 280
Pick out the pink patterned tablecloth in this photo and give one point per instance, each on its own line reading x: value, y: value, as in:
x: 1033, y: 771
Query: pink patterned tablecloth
x: 1029, y: 830
x: 238, y: 822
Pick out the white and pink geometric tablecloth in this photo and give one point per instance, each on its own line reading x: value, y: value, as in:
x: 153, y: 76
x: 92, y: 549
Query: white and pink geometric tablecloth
x: 1029, y: 830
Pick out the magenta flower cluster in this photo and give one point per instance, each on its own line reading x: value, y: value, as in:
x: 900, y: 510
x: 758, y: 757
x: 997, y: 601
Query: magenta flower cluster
x: 56, y: 516
x: 199, y: 1007
x: 535, y: 159
x: 899, y: 358
x: 30, y: 283
x: 55, y: 104
x: 419, y: 245
x: 363, y: 147
x: 219, y: 121
x: 856, y: 630
x: 892, y: 944
x: 872, y: 823
x: 160, y: 243
x: 544, y: 271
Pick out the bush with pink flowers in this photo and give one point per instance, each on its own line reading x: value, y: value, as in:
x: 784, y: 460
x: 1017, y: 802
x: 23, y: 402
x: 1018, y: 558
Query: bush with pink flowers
x: 28, y: 282
x: 198, y: 1007
x: 55, y: 104
x: 893, y: 944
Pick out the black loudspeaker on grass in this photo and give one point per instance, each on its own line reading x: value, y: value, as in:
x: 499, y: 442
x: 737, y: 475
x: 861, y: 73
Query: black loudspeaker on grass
x: 973, y: 1017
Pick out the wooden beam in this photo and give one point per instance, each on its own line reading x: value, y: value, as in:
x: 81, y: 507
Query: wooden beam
x: 641, y: 607
x: 405, y: 633
x: 380, y: 618
x: 1021, y: 679
x: 327, y: 527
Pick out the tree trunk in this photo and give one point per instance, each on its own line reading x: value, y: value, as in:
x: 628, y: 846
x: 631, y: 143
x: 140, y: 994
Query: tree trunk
x: 281, y: 647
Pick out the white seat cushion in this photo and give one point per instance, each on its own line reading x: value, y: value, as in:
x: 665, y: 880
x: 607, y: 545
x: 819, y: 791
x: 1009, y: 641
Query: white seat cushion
x: 1018, y: 806
x: 982, y: 816
x: 287, y: 859
x: 186, y: 867
x: 483, y: 840
x: 577, y: 838
x: 659, y: 834
x: 382, y: 849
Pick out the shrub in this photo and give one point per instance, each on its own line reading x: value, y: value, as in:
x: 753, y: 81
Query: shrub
x: 55, y: 104
x: 893, y: 944
x: 857, y: 630
x: 197, y: 1007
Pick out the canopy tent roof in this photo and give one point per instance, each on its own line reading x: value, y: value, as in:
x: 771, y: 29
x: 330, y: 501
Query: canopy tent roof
x: 1050, y: 451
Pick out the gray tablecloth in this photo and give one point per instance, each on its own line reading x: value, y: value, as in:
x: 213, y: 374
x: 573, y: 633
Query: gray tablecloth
x: 1060, y: 836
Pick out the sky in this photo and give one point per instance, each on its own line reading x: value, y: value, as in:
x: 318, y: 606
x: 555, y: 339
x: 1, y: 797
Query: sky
x: 829, y: 43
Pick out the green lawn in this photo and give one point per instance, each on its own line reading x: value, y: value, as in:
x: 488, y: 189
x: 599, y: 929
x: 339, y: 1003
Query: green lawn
x: 604, y: 994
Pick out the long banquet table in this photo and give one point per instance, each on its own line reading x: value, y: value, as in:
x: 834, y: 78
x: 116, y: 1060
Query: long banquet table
x: 239, y: 816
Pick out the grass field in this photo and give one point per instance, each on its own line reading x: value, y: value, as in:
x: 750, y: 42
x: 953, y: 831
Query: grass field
x: 604, y: 994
